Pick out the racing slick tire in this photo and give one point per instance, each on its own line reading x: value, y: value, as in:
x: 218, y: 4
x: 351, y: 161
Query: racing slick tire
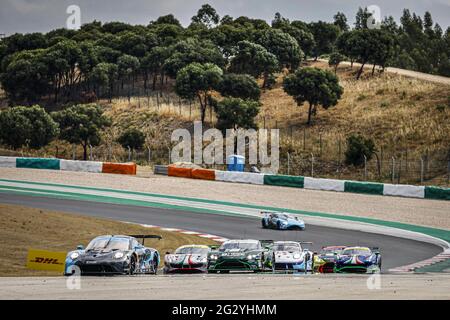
x: 264, y: 224
x: 132, y: 265
x: 154, y: 267
x: 278, y: 225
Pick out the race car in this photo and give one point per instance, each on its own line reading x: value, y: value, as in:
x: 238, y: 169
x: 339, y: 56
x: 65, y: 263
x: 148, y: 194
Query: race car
x: 324, y: 261
x: 358, y: 260
x: 281, y: 221
x: 289, y: 256
x: 187, y: 259
x: 114, y: 254
x: 239, y: 255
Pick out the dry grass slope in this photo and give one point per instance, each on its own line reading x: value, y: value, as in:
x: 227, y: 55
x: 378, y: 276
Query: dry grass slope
x: 22, y: 228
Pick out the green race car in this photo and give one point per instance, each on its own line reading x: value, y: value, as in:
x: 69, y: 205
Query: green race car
x: 237, y: 255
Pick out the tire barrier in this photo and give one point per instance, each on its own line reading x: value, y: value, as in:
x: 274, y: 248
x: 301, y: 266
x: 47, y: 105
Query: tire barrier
x: 371, y: 188
x: 160, y: 170
x: 203, y: 174
x: 7, y: 162
x: 81, y: 166
x: 174, y: 171
x: 324, y: 184
x: 38, y: 163
x: 119, y: 168
x: 68, y: 165
x: 284, y: 181
x: 404, y: 191
x: 240, y: 177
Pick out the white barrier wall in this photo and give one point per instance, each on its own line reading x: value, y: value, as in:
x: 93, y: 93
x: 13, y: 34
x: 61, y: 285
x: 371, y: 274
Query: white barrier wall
x: 324, y: 184
x: 83, y: 166
x: 7, y: 162
x: 241, y: 177
x: 404, y: 190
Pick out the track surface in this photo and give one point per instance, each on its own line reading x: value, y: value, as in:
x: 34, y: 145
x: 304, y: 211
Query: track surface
x: 396, y: 251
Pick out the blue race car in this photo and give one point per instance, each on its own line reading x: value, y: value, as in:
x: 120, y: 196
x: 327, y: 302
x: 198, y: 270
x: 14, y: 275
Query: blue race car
x: 358, y: 260
x: 281, y: 221
x: 113, y: 254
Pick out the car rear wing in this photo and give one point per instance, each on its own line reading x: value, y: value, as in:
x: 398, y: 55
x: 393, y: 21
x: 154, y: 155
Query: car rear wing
x: 146, y: 236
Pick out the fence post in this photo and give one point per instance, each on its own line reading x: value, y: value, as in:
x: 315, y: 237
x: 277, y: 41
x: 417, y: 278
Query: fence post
x: 289, y: 163
x: 399, y: 170
x: 304, y: 138
x: 168, y: 149
x: 110, y: 152
x: 149, y: 155
x: 365, y: 167
x: 312, y: 165
x: 129, y: 153
x: 448, y: 171
x: 421, y: 169
x: 73, y: 152
x: 320, y: 144
x: 393, y: 170
x: 90, y: 152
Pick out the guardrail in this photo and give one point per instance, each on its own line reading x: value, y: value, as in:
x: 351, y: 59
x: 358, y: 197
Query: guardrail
x: 399, y: 190
x: 68, y: 165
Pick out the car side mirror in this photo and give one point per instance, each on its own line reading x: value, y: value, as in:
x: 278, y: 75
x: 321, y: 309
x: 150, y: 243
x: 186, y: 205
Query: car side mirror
x: 80, y: 247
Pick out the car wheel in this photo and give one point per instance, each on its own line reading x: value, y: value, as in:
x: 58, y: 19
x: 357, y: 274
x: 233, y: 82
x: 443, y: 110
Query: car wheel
x: 278, y: 225
x: 132, y: 265
x: 225, y: 271
x: 212, y: 271
x: 155, y: 267
x: 264, y: 223
x: 273, y: 264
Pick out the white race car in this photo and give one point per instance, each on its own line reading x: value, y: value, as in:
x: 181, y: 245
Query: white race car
x: 289, y: 256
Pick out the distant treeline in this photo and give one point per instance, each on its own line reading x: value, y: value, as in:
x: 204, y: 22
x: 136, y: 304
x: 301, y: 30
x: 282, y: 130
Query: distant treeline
x: 103, y: 59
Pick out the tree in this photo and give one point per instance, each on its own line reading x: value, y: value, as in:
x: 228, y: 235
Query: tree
x: 366, y: 45
x: 362, y: 16
x: 283, y: 46
x: 30, y: 126
x: 81, y: 124
x: 105, y: 74
x: 191, y: 50
x: 133, y: 138
x: 335, y: 59
x: 234, y: 113
x: 206, y: 15
x: 255, y: 60
x: 128, y: 66
x: 325, y: 35
x: 315, y: 86
x: 357, y: 148
x: 167, y: 19
x: 239, y: 86
x: 340, y: 20
x: 198, y: 80
x: 25, y: 76
x: 154, y: 62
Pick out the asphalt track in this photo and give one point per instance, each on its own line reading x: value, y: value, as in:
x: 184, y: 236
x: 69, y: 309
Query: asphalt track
x: 395, y: 251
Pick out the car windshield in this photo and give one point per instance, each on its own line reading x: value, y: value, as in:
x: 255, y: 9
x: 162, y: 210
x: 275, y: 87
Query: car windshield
x: 286, y: 247
x: 192, y: 250
x: 330, y: 251
x: 356, y: 251
x: 109, y: 243
x: 239, y: 245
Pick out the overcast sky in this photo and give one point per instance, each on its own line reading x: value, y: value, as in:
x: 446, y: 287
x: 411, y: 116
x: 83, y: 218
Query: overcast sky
x: 44, y: 15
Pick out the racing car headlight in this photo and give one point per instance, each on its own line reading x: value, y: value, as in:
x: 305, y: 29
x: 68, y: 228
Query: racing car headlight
x: 118, y: 255
x: 74, y: 255
x: 214, y: 257
x: 296, y: 256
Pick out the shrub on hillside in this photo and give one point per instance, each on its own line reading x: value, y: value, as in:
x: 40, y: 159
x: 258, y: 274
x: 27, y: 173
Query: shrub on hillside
x: 357, y: 148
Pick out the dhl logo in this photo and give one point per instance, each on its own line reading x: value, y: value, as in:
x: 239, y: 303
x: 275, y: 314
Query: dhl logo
x: 46, y: 260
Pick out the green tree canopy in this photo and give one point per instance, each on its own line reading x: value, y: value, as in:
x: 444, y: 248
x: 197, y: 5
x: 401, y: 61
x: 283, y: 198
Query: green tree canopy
x: 358, y: 147
x: 234, y: 113
x: 27, y: 126
x: 198, y: 80
x: 315, y: 86
x: 133, y: 138
x: 81, y: 124
x: 325, y: 35
x: 283, y: 46
x: 255, y: 60
x: 239, y: 86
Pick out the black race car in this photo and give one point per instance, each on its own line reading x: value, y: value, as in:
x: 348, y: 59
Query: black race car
x: 114, y: 254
